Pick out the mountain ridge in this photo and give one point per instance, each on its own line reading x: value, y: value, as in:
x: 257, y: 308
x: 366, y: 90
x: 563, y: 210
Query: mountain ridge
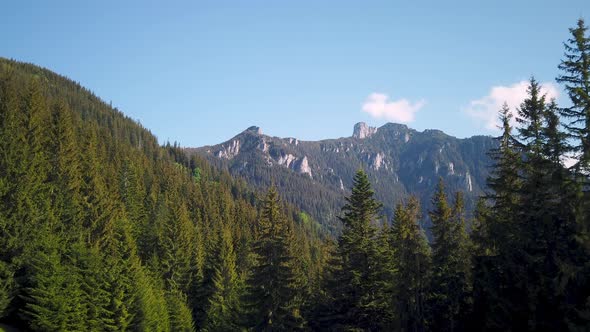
x: 400, y: 160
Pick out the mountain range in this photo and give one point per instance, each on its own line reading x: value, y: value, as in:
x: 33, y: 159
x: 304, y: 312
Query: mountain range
x: 399, y: 160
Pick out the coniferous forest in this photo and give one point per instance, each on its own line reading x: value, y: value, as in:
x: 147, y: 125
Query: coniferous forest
x: 103, y: 229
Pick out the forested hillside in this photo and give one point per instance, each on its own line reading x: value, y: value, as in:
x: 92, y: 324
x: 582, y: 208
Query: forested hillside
x: 103, y: 229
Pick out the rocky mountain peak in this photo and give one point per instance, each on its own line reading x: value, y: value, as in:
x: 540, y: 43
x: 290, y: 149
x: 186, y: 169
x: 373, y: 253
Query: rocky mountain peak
x: 395, y: 127
x: 362, y: 130
x: 254, y: 130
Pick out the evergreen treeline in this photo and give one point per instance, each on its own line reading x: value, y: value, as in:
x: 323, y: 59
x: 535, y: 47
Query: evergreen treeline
x: 102, y: 229
x: 524, y: 266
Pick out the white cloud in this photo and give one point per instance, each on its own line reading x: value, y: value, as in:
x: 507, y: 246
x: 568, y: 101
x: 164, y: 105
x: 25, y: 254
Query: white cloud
x: 569, y: 161
x: 379, y: 106
x: 486, y: 109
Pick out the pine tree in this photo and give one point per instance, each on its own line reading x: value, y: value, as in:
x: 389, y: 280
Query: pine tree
x: 11, y: 143
x: 356, y: 300
x: 12, y: 147
x: 496, y: 232
x: 96, y: 287
x: 65, y: 175
x: 133, y: 196
x: 6, y: 287
x: 504, y: 179
x: 151, y: 308
x: 28, y: 202
x: 176, y: 236
x: 224, y: 305
x: 535, y: 266
x: 411, y: 257
x: 270, y: 287
x: 53, y: 301
x: 99, y: 208
x: 450, y: 280
x: 181, y: 317
x: 575, y: 76
x: 463, y: 267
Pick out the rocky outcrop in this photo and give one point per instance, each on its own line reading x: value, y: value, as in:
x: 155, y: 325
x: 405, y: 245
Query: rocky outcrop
x: 254, y: 130
x: 230, y: 151
x: 468, y: 183
x: 304, y: 168
x: 362, y: 130
x: 286, y: 160
x: 377, y: 161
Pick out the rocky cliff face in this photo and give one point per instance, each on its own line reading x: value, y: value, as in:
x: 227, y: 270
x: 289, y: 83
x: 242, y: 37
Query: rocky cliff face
x: 362, y: 130
x: 316, y: 175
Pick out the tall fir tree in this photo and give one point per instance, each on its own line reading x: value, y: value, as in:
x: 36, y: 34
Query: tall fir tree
x: 53, y: 298
x: 535, y: 263
x: 496, y: 232
x: 270, y: 288
x: 181, y: 317
x: 450, y: 264
x: 65, y: 173
x: 411, y: 258
x: 224, y: 302
x: 575, y: 75
x: 358, y: 288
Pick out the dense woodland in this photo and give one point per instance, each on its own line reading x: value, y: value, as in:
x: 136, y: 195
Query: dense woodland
x: 103, y: 229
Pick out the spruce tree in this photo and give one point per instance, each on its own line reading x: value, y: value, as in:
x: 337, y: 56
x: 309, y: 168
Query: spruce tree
x: 151, y: 308
x: 450, y: 279
x: 6, y: 287
x: 358, y: 286
x: 65, y: 174
x: 575, y: 75
x: 535, y: 264
x: 411, y: 258
x: 496, y: 232
x: 224, y: 305
x: 53, y: 299
x: 181, y: 318
x: 176, y: 244
x: 270, y: 287
x: 99, y: 208
x: 464, y: 266
x: 96, y: 287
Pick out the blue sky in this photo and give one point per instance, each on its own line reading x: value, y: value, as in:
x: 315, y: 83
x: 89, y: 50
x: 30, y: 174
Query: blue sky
x: 199, y: 72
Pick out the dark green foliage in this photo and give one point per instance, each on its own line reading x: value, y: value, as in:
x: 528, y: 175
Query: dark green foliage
x: 411, y: 258
x: 271, y: 287
x: 358, y: 291
x: 528, y: 239
x: 6, y: 287
x: 450, y: 284
x: 102, y: 229
x: 574, y: 265
x: 65, y: 174
x: 181, y: 318
x: 575, y: 75
x: 224, y: 302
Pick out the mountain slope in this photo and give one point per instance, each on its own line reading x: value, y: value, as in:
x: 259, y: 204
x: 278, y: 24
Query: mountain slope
x: 101, y: 228
x: 399, y: 161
